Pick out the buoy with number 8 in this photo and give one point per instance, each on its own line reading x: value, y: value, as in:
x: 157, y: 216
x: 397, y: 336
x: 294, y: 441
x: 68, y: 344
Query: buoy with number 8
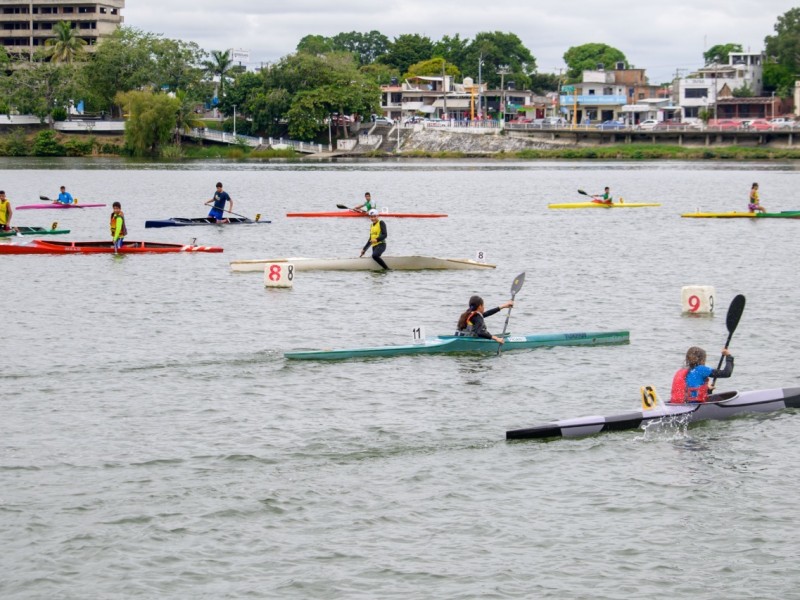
x: 279, y: 275
x: 698, y: 299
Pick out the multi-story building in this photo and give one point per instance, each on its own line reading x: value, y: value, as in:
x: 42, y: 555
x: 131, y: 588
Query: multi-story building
x: 26, y: 26
x: 705, y: 87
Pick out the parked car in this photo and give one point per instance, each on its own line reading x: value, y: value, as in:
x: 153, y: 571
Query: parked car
x: 781, y: 122
x: 647, y: 125
x: 724, y: 124
x: 553, y: 122
x: 520, y: 120
x: 670, y: 124
x: 612, y: 125
x: 435, y: 122
x: 413, y: 119
x: 757, y: 124
x: 382, y: 120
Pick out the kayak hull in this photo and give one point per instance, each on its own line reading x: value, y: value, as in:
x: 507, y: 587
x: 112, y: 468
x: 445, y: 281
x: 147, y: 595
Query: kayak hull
x: 787, y: 214
x: 184, y: 222
x: 365, y: 263
x: 355, y: 213
x: 601, y: 205
x: 32, y: 231
x: 719, y: 407
x: 56, y: 205
x: 451, y: 344
x: 104, y: 247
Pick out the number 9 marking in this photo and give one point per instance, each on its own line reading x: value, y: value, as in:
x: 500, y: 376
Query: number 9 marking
x: 694, y: 303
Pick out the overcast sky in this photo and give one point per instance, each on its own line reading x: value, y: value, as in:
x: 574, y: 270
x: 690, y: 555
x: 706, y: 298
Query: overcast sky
x: 658, y: 36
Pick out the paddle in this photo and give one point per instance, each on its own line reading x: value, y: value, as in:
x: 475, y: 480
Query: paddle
x: 515, y: 287
x: 583, y: 193
x: 228, y: 211
x: 735, y: 311
x: 343, y: 207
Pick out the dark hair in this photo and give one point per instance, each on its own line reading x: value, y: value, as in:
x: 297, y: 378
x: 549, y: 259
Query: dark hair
x: 754, y: 185
x: 474, y: 303
x: 694, y: 357
x: 116, y: 205
x: 2, y: 192
x: 219, y: 184
x: 62, y: 187
x: 367, y: 194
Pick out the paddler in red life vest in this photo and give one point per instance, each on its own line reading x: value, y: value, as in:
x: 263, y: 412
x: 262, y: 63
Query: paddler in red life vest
x: 118, y: 229
x: 471, y: 323
x: 377, y: 238
x: 690, y: 383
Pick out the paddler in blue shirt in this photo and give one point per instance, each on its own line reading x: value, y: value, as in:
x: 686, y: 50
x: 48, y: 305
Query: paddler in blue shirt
x: 690, y: 383
x: 219, y: 200
x: 64, y: 197
x: 471, y: 323
x: 377, y: 239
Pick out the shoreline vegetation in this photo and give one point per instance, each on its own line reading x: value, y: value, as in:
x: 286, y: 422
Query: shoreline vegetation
x: 47, y: 142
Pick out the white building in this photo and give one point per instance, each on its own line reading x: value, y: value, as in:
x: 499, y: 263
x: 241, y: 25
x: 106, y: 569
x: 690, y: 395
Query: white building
x: 701, y: 89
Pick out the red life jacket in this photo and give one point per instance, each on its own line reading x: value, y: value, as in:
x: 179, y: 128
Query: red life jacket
x: 682, y: 394
x: 114, y: 217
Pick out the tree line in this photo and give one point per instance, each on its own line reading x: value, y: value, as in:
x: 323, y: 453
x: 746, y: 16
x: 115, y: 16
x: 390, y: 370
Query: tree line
x: 158, y: 82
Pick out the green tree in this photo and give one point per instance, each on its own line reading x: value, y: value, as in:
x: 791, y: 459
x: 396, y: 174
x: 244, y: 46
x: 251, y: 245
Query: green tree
x: 315, y: 44
x: 122, y: 62
x: 784, y: 47
x: 186, y: 118
x: 219, y: 66
x: 380, y: 73
x: 38, y: 88
x: 496, y: 49
x: 367, y: 47
x: 432, y: 67
x: 743, y: 92
x: 541, y: 83
x: 176, y: 65
x: 588, y: 56
x: 406, y: 50
x: 779, y: 79
x: 152, y: 119
x: 719, y: 53
x: 452, y: 49
x: 65, y: 46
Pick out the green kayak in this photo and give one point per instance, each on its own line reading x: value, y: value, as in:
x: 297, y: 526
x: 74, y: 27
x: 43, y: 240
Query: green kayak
x: 447, y: 344
x: 32, y: 231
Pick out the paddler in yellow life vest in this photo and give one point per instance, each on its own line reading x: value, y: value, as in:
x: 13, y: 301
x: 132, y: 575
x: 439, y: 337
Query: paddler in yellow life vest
x: 118, y: 229
x: 377, y: 238
x: 755, y: 203
x: 5, y: 212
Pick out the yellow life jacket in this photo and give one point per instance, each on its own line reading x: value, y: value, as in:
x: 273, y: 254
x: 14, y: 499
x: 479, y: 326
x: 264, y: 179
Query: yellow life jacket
x: 374, y: 232
x: 4, y: 212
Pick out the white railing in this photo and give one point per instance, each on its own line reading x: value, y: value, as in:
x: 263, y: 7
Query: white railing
x: 255, y: 142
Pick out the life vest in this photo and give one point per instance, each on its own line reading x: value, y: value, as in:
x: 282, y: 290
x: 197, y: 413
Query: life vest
x: 469, y: 329
x: 754, y: 197
x: 124, y: 231
x: 374, y: 232
x: 4, y: 212
x: 681, y: 393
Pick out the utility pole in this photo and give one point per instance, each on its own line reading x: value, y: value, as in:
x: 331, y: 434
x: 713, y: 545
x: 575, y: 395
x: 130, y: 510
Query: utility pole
x: 444, y: 93
x: 480, y: 85
x: 503, y: 70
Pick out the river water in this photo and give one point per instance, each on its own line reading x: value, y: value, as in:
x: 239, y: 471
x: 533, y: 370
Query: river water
x: 154, y: 443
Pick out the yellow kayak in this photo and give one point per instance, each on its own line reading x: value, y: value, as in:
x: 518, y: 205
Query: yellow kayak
x: 602, y: 205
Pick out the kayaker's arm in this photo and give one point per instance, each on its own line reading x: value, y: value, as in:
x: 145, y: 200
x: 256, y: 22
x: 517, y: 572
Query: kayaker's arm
x: 382, y: 236
x: 726, y: 371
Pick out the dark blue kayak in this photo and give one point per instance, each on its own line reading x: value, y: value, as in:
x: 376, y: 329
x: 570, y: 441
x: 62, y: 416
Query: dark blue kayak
x: 181, y: 222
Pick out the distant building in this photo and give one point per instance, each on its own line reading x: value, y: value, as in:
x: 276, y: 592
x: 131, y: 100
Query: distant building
x: 609, y: 95
x: 705, y: 87
x: 26, y: 26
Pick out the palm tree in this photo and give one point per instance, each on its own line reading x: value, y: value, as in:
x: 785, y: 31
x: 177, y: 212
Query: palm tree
x: 219, y: 66
x: 65, y: 46
x: 186, y: 118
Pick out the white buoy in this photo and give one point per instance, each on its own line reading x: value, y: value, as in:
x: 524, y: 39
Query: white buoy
x: 279, y: 275
x: 698, y: 299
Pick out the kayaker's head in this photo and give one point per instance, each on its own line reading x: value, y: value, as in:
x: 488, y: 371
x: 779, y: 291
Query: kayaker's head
x: 608, y: 189
x: 367, y: 196
x: 117, y: 207
x: 63, y: 189
x: 373, y: 214
x: 755, y: 186
x: 695, y: 357
x: 219, y: 185
x: 475, y: 302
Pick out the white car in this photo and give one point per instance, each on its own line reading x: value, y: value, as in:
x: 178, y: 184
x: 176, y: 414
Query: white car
x: 781, y: 122
x: 383, y: 121
x: 647, y: 125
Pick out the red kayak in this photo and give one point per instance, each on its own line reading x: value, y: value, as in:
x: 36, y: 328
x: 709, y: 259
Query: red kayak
x: 105, y: 247
x: 355, y: 213
x: 56, y: 205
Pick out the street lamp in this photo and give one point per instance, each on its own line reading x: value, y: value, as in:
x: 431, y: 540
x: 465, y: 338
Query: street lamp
x: 503, y: 70
x: 234, y: 120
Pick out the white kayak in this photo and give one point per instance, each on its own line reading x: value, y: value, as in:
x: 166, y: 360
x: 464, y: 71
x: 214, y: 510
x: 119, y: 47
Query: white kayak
x: 399, y: 263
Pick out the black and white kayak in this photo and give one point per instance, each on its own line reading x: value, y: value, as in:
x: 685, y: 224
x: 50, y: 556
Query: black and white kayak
x: 186, y: 222
x: 718, y: 407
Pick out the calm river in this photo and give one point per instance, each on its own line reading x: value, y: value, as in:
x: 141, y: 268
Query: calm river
x: 154, y: 443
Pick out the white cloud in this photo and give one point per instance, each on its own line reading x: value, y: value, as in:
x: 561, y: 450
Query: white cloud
x: 658, y: 37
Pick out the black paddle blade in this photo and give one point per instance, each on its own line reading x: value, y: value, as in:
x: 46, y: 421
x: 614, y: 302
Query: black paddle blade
x: 581, y: 192
x: 343, y: 207
x: 44, y: 198
x: 517, y: 285
x: 735, y: 311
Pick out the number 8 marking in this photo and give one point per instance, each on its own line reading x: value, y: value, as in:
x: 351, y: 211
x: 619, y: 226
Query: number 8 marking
x: 290, y: 272
x: 274, y: 272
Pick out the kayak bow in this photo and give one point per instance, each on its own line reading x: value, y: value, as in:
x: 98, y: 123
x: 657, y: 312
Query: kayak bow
x: 602, y: 205
x: 398, y: 263
x: 355, y: 213
x: 57, y: 205
x: 187, y: 222
x: 104, y: 247
x: 32, y: 231
x: 446, y: 344
x: 786, y: 214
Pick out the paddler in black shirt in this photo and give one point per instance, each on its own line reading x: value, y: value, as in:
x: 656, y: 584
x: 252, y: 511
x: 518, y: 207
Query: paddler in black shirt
x: 471, y: 323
